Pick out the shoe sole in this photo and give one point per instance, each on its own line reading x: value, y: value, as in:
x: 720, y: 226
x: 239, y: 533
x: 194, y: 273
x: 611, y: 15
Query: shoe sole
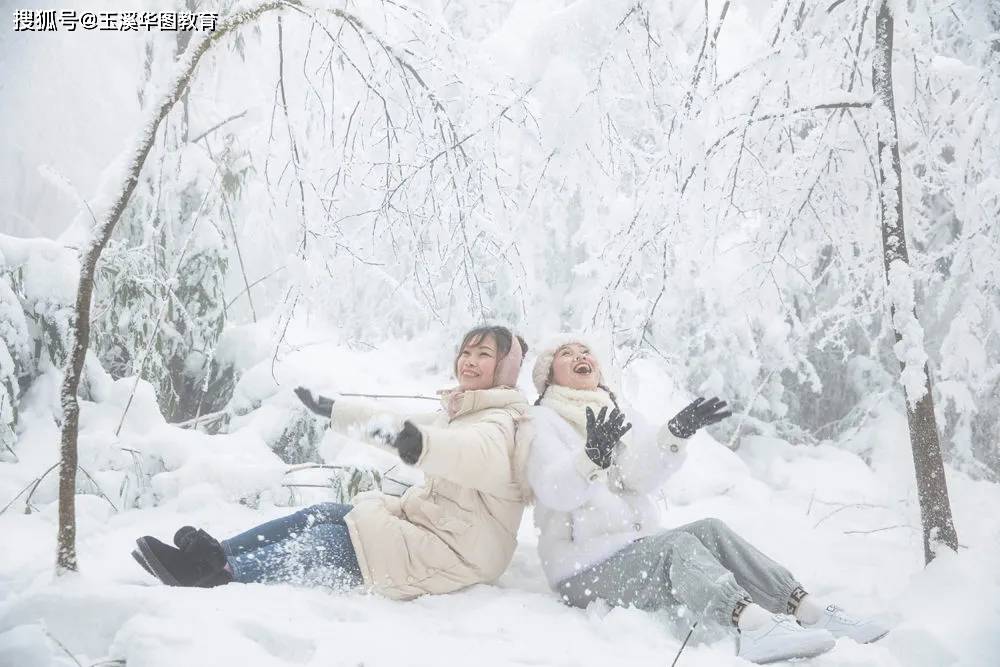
x: 142, y: 561
x: 875, y: 639
x: 792, y: 656
x: 159, y: 571
x: 799, y: 652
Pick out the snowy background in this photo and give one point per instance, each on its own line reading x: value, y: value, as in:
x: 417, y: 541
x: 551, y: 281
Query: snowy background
x: 337, y: 197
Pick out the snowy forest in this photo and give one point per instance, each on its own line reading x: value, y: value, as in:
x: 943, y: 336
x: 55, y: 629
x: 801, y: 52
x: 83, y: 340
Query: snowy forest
x: 792, y: 205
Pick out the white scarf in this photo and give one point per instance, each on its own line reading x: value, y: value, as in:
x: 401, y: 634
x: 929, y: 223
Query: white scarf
x: 572, y: 404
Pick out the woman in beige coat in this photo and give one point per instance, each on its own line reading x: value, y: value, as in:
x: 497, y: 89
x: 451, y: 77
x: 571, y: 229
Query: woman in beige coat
x: 457, y: 529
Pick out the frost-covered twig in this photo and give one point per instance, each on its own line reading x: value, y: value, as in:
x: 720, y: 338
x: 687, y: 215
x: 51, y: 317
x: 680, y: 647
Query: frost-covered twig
x: 860, y: 506
x: 97, y: 486
x: 61, y: 645
x: 876, y: 530
x: 699, y: 65
x: 314, y: 466
x: 425, y: 398
x: 834, y: 5
x: 746, y: 413
x: 218, y: 125
x: 683, y: 644
x: 239, y: 257
x: 246, y: 290
x: 284, y: 331
x: 34, y: 486
x: 296, y: 162
x: 203, y: 420
x: 845, y: 104
x: 19, y: 494
x: 9, y: 448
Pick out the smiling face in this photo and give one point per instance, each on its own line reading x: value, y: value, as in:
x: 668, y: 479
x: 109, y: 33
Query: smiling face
x: 575, y: 367
x: 477, y: 363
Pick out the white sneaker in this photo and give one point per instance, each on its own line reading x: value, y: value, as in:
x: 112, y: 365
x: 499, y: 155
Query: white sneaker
x: 839, y: 624
x: 781, y: 639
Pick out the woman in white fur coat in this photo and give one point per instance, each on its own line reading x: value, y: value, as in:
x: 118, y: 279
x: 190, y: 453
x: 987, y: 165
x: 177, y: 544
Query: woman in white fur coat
x: 592, y: 475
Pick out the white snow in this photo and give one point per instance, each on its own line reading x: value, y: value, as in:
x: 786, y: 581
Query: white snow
x: 850, y: 532
x: 581, y: 196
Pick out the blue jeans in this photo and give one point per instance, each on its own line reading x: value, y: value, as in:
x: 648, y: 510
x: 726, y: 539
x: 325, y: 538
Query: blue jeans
x: 311, y: 546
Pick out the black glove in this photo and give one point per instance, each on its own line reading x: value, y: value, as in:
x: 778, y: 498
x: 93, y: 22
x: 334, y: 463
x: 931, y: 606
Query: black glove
x: 322, y: 405
x: 603, y: 434
x: 698, y: 414
x: 409, y: 443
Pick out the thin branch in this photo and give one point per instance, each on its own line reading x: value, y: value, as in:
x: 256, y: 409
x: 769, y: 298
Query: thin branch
x: 27, y: 501
x: 296, y: 162
x: 61, y: 645
x: 19, y: 494
x: 771, y: 116
x: 10, y: 449
x: 683, y: 644
x: 202, y: 420
x: 875, y: 530
x: 781, y: 21
x: 842, y: 508
x: 699, y: 66
x: 746, y: 68
x: 218, y: 125
x: 284, y: 331
x: 100, y: 491
x: 315, y: 466
x: 426, y: 398
x: 247, y: 288
x: 239, y: 256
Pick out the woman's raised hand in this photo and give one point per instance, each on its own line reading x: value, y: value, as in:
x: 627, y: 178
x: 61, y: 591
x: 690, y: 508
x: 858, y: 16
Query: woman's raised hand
x: 603, y: 434
x: 698, y: 414
x: 409, y: 443
x: 319, y: 404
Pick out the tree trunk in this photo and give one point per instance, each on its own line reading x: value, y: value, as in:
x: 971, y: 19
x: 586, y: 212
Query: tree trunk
x: 932, y: 487
x: 66, y: 537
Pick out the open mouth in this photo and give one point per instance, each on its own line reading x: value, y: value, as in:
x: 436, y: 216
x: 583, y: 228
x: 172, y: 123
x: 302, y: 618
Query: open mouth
x: 583, y: 368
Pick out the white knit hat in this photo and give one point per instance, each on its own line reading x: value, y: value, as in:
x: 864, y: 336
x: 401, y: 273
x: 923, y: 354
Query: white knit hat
x: 547, y: 354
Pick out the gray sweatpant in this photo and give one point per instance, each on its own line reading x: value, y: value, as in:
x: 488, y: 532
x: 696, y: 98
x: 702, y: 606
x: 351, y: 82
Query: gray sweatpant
x: 703, y: 566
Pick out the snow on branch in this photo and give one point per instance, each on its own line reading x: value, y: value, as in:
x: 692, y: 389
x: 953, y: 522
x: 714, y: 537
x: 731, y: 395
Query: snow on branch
x: 784, y: 113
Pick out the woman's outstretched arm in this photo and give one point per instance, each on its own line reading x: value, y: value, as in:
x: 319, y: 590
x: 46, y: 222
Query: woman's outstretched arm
x: 478, y: 456
x: 371, y: 422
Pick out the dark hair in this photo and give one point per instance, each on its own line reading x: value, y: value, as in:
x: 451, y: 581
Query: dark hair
x: 502, y: 335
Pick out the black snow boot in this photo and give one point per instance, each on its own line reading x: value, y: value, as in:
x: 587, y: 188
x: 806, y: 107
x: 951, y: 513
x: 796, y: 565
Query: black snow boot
x: 201, y: 546
x: 204, y: 548
x: 175, y: 567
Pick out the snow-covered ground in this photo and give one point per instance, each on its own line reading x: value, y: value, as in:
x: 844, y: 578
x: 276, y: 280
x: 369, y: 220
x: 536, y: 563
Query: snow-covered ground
x: 848, y: 530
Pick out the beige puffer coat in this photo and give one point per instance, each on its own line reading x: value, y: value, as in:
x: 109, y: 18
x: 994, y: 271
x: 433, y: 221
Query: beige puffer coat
x: 460, y: 527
